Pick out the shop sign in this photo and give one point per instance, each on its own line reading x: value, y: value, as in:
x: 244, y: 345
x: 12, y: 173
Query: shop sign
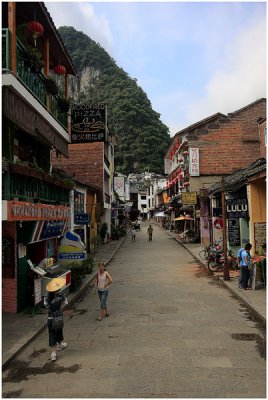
x: 88, y: 123
x: 119, y: 185
x: 23, y: 211
x: 52, y: 229
x: 82, y: 219
x: 237, y: 208
x: 233, y: 232
x: 259, y: 236
x: 72, y: 256
x: 189, y: 197
x: 194, y: 161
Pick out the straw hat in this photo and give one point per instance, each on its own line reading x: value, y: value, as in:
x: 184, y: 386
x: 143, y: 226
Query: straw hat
x: 55, y: 284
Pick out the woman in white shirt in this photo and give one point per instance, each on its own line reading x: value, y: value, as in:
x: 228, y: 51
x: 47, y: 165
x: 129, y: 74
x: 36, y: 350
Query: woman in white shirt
x: 102, y: 283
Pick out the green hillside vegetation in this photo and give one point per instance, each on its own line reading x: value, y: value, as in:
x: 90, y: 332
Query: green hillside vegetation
x: 142, y: 138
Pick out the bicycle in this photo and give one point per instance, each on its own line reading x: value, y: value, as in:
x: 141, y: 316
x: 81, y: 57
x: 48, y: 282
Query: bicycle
x: 209, y: 250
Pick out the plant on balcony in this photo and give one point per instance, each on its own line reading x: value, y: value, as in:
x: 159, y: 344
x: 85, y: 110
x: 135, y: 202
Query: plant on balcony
x: 33, y: 59
x: 51, y: 86
x: 63, y: 104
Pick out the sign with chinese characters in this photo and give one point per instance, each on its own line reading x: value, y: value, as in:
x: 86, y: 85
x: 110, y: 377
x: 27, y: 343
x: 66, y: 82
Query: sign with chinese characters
x: 23, y: 211
x: 189, y: 198
x: 194, y: 161
x: 237, y: 208
x: 82, y: 219
x: 88, y: 123
x: 37, y: 291
x: 167, y: 166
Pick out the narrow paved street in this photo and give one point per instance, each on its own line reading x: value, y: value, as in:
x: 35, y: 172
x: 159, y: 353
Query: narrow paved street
x: 173, y: 331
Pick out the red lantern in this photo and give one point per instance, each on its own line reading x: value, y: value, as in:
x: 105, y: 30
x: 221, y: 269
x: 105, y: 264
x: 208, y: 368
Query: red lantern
x: 36, y: 28
x: 186, y: 184
x: 59, y: 69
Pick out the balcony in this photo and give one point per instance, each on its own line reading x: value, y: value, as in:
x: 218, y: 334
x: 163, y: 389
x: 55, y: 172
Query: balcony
x: 34, y: 82
x: 26, y: 184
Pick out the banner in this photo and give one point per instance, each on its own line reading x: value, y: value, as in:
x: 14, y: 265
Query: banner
x: 88, y: 123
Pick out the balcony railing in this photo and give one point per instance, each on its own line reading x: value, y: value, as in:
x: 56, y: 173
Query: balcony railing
x: 27, y: 184
x: 33, y: 81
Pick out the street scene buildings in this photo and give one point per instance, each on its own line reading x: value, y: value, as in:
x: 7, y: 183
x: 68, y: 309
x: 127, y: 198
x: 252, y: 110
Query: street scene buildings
x: 65, y: 207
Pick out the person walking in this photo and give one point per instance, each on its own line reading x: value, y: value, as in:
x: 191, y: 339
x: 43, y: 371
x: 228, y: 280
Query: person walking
x: 150, y: 233
x: 246, y: 266
x: 54, y: 302
x: 239, y: 263
x: 102, y: 283
x: 133, y: 234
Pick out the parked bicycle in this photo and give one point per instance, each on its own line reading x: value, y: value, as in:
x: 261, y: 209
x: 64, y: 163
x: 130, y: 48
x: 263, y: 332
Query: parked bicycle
x: 210, y: 250
x: 216, y: 261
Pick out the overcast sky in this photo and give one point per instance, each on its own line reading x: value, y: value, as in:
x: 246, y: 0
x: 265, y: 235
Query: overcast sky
x: 192, y: 59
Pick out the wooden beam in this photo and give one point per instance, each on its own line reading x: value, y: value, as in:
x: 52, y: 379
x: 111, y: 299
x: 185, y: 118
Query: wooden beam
x: 12, y: 30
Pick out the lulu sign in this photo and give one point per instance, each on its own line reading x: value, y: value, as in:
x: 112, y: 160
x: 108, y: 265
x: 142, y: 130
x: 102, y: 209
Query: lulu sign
x: 194, y: 161
x: 237, y: 208
x: 23, y: 211
x: 88, y: 123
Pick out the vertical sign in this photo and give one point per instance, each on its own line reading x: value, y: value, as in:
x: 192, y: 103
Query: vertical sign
x: 194, y: 161
x: 167, y: 166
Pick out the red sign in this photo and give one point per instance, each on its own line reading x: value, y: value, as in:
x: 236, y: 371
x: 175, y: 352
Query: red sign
x: 23, y: 211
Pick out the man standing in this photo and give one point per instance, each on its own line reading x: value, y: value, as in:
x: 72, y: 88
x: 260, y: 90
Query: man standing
x: 150, y: 233
x: 239, y: 262
x: 246, y: 266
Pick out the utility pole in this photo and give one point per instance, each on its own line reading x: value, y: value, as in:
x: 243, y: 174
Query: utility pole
x: 226, y: 275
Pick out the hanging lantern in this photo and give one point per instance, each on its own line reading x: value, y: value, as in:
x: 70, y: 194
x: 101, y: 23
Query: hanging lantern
x: 186, y: 184
x: 59, y: 69
x: 36, y: 28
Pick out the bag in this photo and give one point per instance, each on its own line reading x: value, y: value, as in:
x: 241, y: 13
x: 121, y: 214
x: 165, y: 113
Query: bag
x: 57, y: 322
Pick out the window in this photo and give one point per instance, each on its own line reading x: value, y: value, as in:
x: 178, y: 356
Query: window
x: 143, y: 197
x: 78, y: 202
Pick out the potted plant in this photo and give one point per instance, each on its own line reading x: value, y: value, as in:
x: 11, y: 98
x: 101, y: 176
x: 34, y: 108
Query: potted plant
x: 51, y: 86
x: 33, y: 59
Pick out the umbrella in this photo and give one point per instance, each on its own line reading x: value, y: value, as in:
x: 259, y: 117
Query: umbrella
x: 185, y: 218
x: 160, y: 214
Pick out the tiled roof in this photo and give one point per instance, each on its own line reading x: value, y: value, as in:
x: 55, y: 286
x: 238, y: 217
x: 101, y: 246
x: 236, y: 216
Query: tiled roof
x: 239, y: 178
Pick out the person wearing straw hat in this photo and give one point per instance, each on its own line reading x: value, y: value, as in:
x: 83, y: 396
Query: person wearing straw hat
x: 54, y: 302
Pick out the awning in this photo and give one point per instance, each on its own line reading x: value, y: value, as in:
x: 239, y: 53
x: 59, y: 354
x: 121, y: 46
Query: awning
x: 160, y: 214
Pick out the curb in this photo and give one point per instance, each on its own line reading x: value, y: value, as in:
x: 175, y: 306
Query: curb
x: 234, y: 293
x: 70, y: 302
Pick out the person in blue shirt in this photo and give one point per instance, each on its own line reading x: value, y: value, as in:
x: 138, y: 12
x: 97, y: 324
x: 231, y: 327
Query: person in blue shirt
x: 245, y: 265
x: 239, y: 261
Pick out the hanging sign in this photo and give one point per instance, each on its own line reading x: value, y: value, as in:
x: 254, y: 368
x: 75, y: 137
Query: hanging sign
x: 194, y: 161
x: 88, y: 123
x: 188, y: 197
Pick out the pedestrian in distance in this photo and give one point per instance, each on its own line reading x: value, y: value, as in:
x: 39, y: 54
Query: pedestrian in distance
x: 239, y: 262
x: 246, y: 266
x: 150, y: 233
x: 133, y: 234
x: 54, y: 302
x: 102, y: 283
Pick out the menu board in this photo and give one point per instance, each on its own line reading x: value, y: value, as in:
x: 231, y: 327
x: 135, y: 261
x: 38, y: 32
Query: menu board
x: 37, y: 291
x: 260, y: 235
x: 233, y: 232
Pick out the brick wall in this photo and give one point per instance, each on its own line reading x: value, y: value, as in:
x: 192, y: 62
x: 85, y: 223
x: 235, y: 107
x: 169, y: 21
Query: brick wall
x: 85, y: 162
x: 9, y: 286
x: 233, y: 144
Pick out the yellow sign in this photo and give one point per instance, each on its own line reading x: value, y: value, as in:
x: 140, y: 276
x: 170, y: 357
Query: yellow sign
x: 189, y: 198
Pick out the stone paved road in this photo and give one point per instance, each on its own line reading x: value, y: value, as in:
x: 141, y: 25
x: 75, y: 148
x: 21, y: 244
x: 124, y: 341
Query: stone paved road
x: 173, y: 332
